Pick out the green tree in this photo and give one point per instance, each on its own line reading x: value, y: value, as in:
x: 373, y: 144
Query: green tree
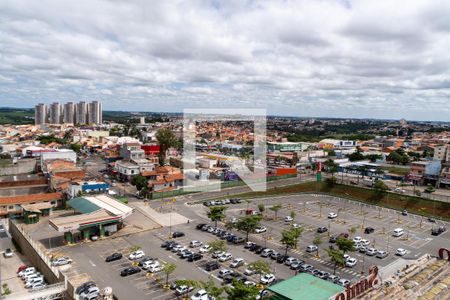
x: 260, y: 267
x: 213, y: 290
x: 140, y: 182
x: 248, y: 224
x: 289, y: 238
x: 317, y: 241
x: 345, y: 244
x: 293, y: 214
x: 330, y: 166
x: 379, y: 187
x: 275, y: 208
x: 261, y: 208
x: 373, y: 157
x: 135, y: 248
x: 166, y: 139
x: 216, y: 213
x: 240, y: 291
x: 337, y: 257
x: 356, y: 156
x: 168, y: 269
x: 75, y: 147
x: 352, y: 231
x: 217, y: 245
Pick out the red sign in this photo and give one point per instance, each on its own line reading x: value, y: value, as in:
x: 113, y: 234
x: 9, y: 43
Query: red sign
x: 441, y: 253
x: 356, y: 289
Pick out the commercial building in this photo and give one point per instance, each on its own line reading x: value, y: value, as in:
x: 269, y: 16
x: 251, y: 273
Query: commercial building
x: 336, y: 144
x: 286, y: 146
x: 69, y: 113
x: 40, y: 114
x: 424, y: 172
x: 13, y: 206
x: 86, y: 187
x: 94, y: 216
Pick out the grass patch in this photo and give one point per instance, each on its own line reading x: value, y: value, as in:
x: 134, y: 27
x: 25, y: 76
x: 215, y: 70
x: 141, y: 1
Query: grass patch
x: 397, y: 170
x: 418, y: 205
x: 122, y: 199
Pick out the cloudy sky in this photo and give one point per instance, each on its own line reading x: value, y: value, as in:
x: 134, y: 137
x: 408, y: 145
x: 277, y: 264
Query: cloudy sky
x: 335, y: 58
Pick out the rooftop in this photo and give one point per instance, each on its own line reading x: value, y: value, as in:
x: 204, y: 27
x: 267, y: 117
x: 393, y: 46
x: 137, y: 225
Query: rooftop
x: 305, y: 287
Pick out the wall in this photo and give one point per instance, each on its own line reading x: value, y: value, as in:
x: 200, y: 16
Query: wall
x: 23, y: 166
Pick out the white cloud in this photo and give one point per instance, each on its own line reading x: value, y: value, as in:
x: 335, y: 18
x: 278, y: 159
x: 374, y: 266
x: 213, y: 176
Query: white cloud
x: 321, y: 58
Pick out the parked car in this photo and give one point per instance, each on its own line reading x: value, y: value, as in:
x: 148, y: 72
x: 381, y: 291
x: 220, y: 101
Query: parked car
x: 332, y: 215
x: 177, y: 234
x: 343, y: 282
x: 369, y: 230
x: 261, y: 229
x: 401, y: 252
x: 438, y: 230
x: 404, y: 212
x: 288, y: 219
x: 382, y: 254
x: 282, y: 258
x: 237, y: 262
x: 225, y: 257
x: 61, y: 261
x: 136, y: 255
x: 222, y: 273
x: 274, y: 254
x: 351, y: 262
x: 333, y: 239
x: 195, y: 244
x: 289, y: 261
x: 371, y: 251
x: 8, y: 253
x: 357, y: 239
x: 333, y: 278
x: 322, y: 229
x: 267, y: 278
x: 194, y: 257
x: 266, y: 252
x: 311, y: 248
x: 183, y: 289
x: 130, y: 271
x: 204, y: 249
x: 200, y: 295
x: 83, y: 287
x: 398, y: 232
x: 249, y: 271
x: 113, y: 257
x: 238, y: 240
x: 92, y: 291
x: 248, y: 245
x: 27, y: 271
x: 211, y: 266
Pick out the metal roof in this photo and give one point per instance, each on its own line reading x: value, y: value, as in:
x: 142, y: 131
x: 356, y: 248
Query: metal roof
x: 305, y: 287
x: 82, y: 205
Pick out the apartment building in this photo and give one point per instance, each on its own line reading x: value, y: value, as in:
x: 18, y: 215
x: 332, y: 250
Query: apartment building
x: 40, y: 115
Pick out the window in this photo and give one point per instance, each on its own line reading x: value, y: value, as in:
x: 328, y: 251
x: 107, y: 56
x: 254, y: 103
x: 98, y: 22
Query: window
x: 11, y: 207
x: 132, y: 171
x: 53, y: 202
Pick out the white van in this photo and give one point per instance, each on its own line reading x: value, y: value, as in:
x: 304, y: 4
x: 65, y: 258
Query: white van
x: 398, y: 232
x: 27, y: 271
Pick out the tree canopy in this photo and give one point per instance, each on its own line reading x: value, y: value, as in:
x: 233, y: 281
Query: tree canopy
x: 166, y: 139
x: 216, y: 213
x: 248, y: 224
x: 289, y: 238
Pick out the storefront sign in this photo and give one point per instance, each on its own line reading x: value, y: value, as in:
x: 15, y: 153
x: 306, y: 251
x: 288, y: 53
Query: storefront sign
x: 356, y: 289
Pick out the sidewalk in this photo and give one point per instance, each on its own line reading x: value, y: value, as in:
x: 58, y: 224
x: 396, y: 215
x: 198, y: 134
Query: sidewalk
x: 166, y: 219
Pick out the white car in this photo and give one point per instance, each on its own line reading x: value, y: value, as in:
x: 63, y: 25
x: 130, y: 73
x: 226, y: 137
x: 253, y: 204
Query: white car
x: 237, y: 262
x: 249, y: 271
x: 195, y: 244
x: 268, y: 278
x: 371, y: 251
x: 311, y: 248
x: 351, y: 262
x: 288, y: 219
x: 357, y: 239
x: 343, y: 282
x: 34, y: 281
x: 365, y: 242
x: 39, y: 285
x: 224, y: 272
x: 154, y: 268
x: 29, y: 270
x: 61, y: 261
x: 295, y: 225
x: 200, y: 295
x: 399, y: 190
x: 225, y: 257
x: 332, y: 215
x: 401, y: 252
x: 136, y: 255
x: 261, y: 229
x: 204, y: 249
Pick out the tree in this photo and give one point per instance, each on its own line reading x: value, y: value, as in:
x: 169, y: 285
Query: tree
x: 135, y: 248
x: 398, y: 157
x: 331, y: 166
x: 166, y: 139
x: 289, y: 238
x: 317, y: 241
x: 229, y: 225
x: 379, y: 187
x: 240, y: 291
x: 140, y: 182
x: 275, y: 208
x: 214, y: 291
x: 373, y: 157
x: 356, y: 156
x: 75, y: 147
x: 337, y: 257
x: 217, y: 245
x: 293, y: 214
x: 352, y: 230
x: 248, y: 224
x: 331, y: 181
x: 260, y: 267
x: 168, y: 269
x: 216, y: 213
x: 345, y: 244
x: 261, y: 208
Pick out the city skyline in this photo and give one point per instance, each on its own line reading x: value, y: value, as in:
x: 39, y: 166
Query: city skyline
x: 370, y: 60
x: 68, y: 113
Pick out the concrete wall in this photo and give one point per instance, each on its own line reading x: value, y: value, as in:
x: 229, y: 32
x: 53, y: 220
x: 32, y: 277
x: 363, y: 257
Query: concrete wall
x: 34, y: 252
x: 23, y: 166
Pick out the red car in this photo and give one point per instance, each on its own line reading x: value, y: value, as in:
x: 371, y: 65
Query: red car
x: 21, y: 268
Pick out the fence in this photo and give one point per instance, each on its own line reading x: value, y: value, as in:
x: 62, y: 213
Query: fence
x: 223, y: 185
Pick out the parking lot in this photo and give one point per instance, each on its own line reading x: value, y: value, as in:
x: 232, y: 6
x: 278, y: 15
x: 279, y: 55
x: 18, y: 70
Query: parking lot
x: 310, y: 212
